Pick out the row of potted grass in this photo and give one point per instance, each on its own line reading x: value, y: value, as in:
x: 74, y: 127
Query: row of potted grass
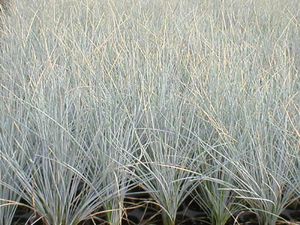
x: 180, y: 98
x: 68, y: 187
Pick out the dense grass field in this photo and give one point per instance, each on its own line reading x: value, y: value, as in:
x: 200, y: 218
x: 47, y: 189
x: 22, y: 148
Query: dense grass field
x: 112, y: 108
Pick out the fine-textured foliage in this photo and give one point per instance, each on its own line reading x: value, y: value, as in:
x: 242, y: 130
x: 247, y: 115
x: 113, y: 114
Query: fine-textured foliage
x: 178, y: 98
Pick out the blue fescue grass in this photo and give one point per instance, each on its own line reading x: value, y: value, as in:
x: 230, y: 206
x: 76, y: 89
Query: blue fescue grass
x: 180, y: 97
